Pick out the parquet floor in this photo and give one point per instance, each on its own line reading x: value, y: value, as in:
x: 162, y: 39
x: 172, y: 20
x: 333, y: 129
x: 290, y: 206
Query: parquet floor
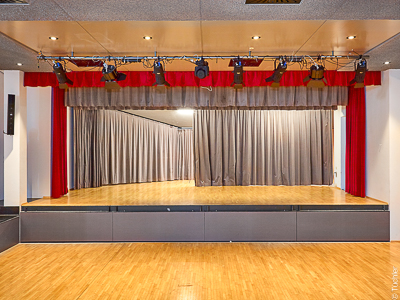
x: 199, y: 271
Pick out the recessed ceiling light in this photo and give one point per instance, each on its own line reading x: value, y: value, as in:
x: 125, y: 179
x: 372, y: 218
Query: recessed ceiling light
x: 147, y: 37
x: 387, y: 62
x: 351, y: 37
x: 53, y: 38
x: 19, y: 64
x: 256, y: 37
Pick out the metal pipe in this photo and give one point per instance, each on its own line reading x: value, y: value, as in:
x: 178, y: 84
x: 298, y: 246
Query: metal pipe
x: 195, y: 57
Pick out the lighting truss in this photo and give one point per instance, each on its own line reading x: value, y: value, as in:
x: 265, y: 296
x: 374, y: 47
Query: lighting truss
x: 156, y: 62
x: 193, y: 58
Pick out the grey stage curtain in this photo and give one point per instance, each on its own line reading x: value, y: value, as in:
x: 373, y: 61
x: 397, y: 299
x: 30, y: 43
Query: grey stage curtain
x: 199, y: 98
x: 113, y: 147
x: 185, y: 155
x: 263, y: 147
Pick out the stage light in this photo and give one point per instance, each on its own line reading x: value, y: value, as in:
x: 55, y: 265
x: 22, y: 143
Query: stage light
x: 19, y: 64
x: 202, y: 70
x: 316, y: 77
x: 237, y: 75
x: 61, y: 76
x: 387, y: 62
x: 160, y: 77
x: 184, y: 111
x: 278, y: 73
x: 256, y: 37
x: 351, y: 37
x: 53, y: 38
x: 361, y: 69
x: 111, y: 76
x: 148, y: 38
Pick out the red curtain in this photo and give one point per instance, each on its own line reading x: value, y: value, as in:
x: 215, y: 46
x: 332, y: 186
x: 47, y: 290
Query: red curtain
x: 187, y: 78
x: 355, y: 142
x: 59, y: 183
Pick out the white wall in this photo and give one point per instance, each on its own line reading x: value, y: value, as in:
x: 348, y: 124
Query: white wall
x: 339, y: 138
x: 39, y: 141
x: 377, y: 140
x: 394, y: 152
x: 383, y: 146
x: 2, y: 136
x: 15, y: 146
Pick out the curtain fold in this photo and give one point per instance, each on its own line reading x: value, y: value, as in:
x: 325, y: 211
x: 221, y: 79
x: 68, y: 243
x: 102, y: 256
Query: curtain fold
x: 262, y: 147
x: 185, y: 162
x: 113, y: 147
x: 355, y: 143
x: 59, y: 181
x: 144, y: 97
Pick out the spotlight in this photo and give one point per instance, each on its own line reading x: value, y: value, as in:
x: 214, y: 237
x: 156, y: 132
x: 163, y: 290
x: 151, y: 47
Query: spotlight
x: 317, y: 77
x: 351, y: 37
x: 237, y: 75
x: 202, y: 70
x: 111, y: 76
x: 361, y: 68
x: 159, y: 72
x: 61, y: 76
x: 278, y: 73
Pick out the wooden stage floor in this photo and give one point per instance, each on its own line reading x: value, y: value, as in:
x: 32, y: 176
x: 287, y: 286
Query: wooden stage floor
x: 185, y: 193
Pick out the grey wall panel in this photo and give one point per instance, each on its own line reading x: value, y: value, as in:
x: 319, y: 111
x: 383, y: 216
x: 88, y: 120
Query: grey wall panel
x: 250, y: 226
x: 158, y: 226
x: 9, y: 233
x: 343, y: 226
x: 66, y: 227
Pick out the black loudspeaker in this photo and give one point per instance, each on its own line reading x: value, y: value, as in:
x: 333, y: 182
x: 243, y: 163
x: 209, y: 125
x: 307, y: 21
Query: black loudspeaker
x: 10, y: 114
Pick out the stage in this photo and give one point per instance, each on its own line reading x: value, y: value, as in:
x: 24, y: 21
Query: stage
x: 184, y: 192
x: 179, y: 211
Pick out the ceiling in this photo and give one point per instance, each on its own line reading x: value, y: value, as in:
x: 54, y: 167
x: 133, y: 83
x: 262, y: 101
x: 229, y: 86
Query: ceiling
x: 194, y: 27
x: 181, y: 118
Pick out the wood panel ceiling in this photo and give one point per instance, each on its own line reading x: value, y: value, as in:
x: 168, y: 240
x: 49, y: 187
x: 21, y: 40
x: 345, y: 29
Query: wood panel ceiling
x: 196, y: 27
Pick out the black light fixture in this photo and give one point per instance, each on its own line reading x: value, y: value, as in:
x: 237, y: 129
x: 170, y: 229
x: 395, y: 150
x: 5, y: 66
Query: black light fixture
x: 361, y: 69
x: 237, y: 74
x: 111, y: 76
x: 61, y: 76
x: 159, y: 72
x: 202, y: 70
x: 278, y: 73
x: 316, y: 77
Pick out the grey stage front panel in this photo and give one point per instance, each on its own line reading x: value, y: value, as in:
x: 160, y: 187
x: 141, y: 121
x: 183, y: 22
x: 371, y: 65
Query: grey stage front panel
x: 158, y: 226
x: 66, y: 227
x: 250, y: 226
x: 342, y: 226
x: 9, y: 233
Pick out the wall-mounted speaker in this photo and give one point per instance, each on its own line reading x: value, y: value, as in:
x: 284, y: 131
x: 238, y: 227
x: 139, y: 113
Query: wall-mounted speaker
x: 10, y: 114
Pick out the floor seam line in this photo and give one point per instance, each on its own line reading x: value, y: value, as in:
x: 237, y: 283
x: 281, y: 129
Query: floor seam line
x: 100, y: 272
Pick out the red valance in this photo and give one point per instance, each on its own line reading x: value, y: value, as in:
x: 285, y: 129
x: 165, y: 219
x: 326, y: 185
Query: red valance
x: 187, y: 78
